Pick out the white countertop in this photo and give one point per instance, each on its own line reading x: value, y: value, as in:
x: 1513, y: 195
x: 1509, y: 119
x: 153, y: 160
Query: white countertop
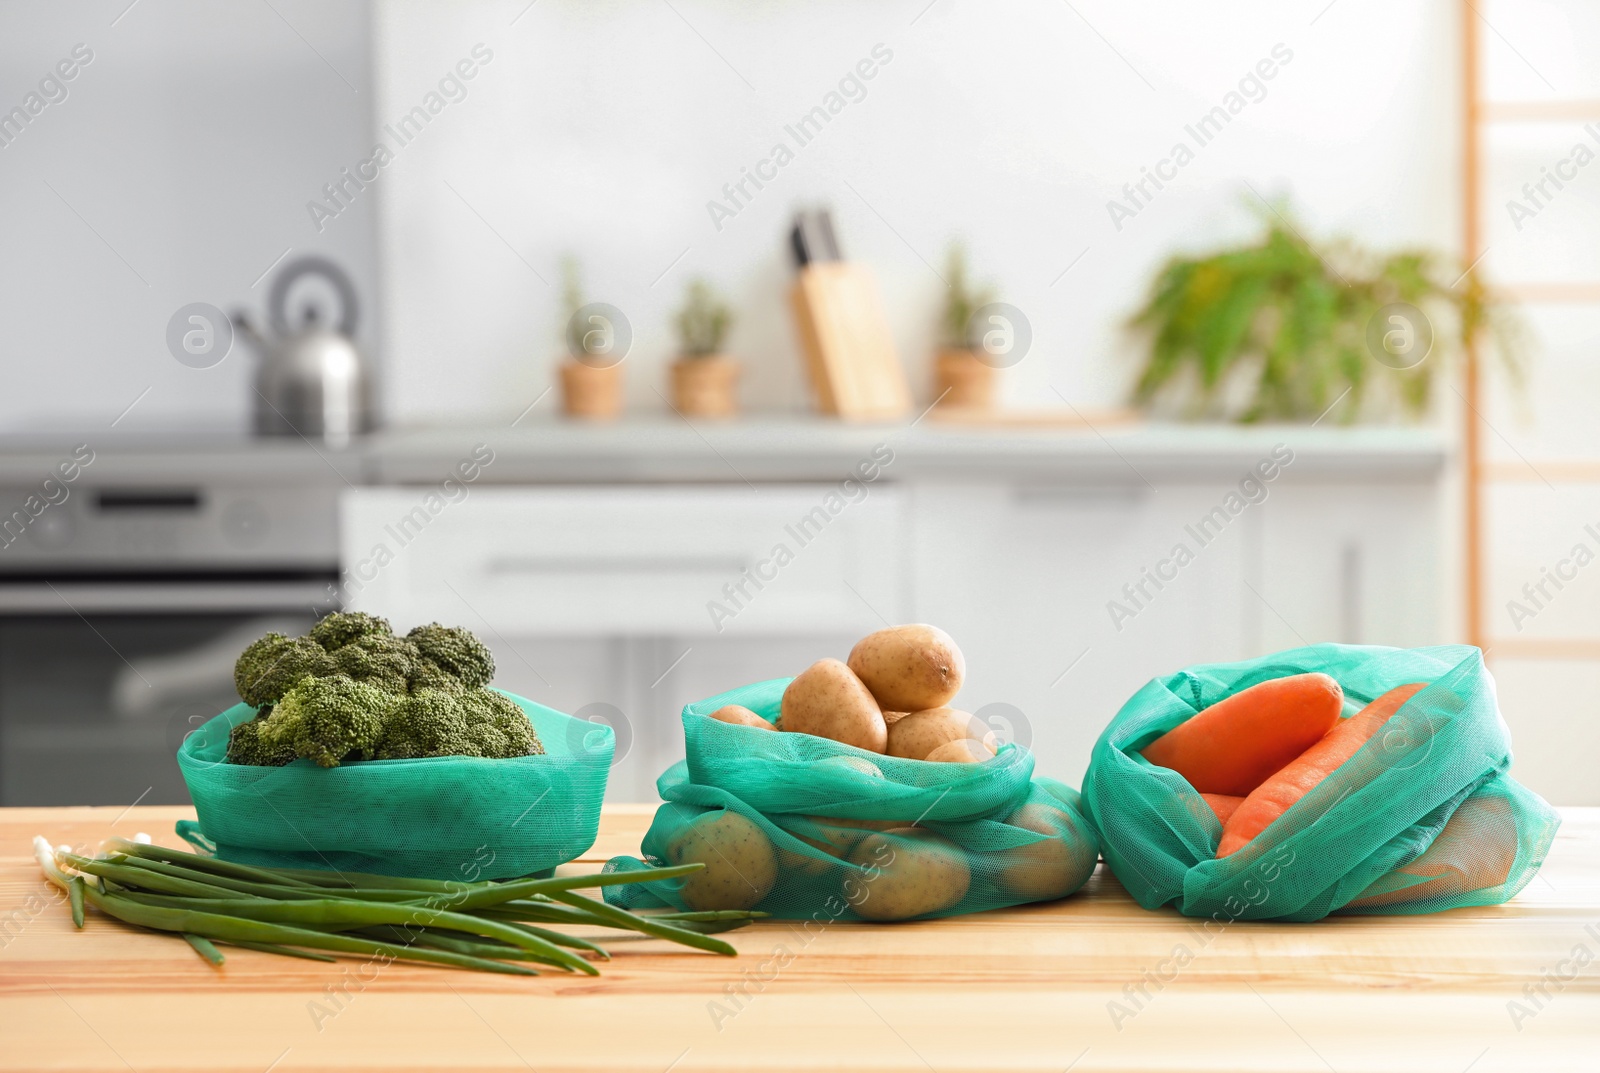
x: 771, y: 448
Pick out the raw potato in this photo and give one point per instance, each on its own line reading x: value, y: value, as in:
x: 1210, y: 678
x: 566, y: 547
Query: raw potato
x: 909, y: 668
x: 1050, y: 869
x: 964, y: 751
x: 740, y: 863
x: 828, y: 700
x: 917, y: 872
x: 891, y: 718
x: 837, y: 841
x: 742, y: 716
x: 920, y: 733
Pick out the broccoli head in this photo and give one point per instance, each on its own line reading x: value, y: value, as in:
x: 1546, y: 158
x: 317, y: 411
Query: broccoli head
x: 328, y: 719
x: 268, y: 668
x: 245, y: 746
x: 429, y: 722
x: 474, y: 722
x: 497, y: 725
x: 454, y: 652
x: 379, y: 659
x: 342, y: 627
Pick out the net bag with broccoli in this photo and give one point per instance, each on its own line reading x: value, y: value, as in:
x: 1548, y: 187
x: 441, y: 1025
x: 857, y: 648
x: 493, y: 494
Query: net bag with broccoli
x: 813, y: 799
x: 1325, y: 779
x: 359, y: 749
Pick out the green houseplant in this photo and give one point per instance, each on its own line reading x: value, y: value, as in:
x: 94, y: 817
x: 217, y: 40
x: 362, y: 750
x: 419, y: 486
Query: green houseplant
x: 962, y: 378
x: 1282, y: 330
x: 591, y: 374
x: 704, y: 380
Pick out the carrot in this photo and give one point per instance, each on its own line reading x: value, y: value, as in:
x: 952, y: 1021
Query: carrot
x: 1234, y: 745
x: 1474, y: 851
x: 1223, y: 805
x: 1275, y: 796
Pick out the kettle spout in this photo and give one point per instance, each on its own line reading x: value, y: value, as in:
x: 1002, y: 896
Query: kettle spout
x: 244, y: 325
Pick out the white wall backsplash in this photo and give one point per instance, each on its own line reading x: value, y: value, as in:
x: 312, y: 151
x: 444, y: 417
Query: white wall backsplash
x: 176, y: 170
x: 605, y: 128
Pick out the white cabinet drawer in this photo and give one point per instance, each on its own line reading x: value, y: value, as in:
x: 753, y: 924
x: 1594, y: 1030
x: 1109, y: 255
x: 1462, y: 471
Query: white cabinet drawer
x: 628, y: 561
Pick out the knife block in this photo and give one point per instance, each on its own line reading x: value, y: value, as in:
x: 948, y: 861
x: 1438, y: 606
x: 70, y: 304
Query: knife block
x: 845, y: 337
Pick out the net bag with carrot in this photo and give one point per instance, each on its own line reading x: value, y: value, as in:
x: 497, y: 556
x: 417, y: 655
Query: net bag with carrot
x: 1325, y: 779
x: 804, y: 801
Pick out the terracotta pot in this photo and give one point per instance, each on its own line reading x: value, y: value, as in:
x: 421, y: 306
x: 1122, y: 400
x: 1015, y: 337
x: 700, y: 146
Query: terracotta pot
x: 592, y: 392
x: 961, y: 379
x: 706, y: 386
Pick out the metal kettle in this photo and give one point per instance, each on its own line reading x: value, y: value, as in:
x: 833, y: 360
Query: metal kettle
x: 311, y: 381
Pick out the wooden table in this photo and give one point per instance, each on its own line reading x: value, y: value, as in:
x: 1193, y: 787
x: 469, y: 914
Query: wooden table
x: 1030, y: 988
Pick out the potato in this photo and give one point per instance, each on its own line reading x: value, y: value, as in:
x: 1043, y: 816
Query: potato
x: 828, y: 700
x: 741, y: 865
x: 920, y: 733
x: 1050, y: 869
x: 734, y: 713
x: 909, y: 668
x: 891, y: 718
x: 962, y: 751
x: 915, y: 871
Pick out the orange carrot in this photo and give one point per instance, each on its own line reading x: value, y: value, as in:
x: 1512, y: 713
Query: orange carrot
x: 1223, y: 805
x: 1272, y: 798
x: 1474, y: 851
x: 1234, y: 745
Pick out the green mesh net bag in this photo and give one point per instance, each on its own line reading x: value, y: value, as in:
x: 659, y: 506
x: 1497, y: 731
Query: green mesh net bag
x: 448, y: 817
x: 1422, y: 818
x: 807, y: 828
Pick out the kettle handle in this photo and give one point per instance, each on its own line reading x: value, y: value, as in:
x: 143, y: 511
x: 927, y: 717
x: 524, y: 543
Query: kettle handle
x: 277, y: 307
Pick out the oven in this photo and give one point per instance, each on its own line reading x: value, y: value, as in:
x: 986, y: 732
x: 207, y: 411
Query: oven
x: 122, y: 608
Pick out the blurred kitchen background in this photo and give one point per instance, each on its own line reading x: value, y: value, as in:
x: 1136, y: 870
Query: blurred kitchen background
x: 168, y: 154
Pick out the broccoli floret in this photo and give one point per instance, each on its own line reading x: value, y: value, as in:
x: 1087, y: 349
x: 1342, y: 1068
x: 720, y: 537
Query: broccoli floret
x: 426, y: 723
x: 245, y: 746
x: 497, y: 725
x: 454, y: 652
x: 379, y: 659
x: 268, y: 668
x: 475, y: 722
x: 342, y: 627
x: 328, y: 719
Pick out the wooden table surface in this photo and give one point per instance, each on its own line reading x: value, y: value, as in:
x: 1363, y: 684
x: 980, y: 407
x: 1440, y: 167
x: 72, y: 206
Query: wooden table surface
x: 1049, y: 987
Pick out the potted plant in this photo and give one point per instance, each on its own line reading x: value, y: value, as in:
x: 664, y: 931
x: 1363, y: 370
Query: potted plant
x: 1283, y: 330
x: 704, y: 380
x: 591, y: 375
x: 962, y: 376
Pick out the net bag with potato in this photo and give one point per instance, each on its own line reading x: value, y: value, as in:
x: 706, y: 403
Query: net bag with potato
x: 1325, y: 779
x: 821, y: 821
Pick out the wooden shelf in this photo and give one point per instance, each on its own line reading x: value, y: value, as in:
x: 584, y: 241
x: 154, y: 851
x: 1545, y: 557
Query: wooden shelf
x: 1553, y: 293
x: 1552, y: 111
x: 1556, y: 471
x: 1553, y: 648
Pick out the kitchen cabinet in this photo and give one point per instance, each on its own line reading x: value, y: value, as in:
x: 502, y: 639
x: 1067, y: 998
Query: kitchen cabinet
x: 1053, y: 561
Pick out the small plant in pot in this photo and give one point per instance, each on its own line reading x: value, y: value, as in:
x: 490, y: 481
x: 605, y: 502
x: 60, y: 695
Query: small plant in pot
x: 1280, y: 329
x: 705, y: 381
x: 962, y: 376
x: 597, y: 339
